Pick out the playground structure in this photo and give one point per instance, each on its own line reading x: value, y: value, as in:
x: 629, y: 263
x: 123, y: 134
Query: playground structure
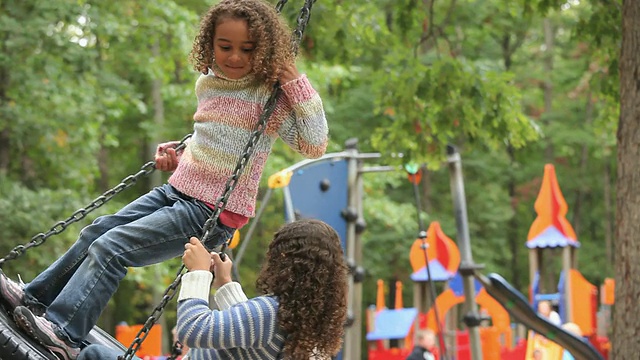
x: 331, y: 189
x: 444, y: 261
x: 576, y: 298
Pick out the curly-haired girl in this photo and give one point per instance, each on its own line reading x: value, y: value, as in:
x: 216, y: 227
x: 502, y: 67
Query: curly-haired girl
x: 300, y: 316
x: 242, y: 50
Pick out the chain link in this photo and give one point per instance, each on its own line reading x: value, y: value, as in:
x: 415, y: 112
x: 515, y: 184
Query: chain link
x: 219, y: 206
x: 80, y: 214
x: 221, y: 201
x: 168, y: 295
x: 302, y: 21
x: 280, y: 5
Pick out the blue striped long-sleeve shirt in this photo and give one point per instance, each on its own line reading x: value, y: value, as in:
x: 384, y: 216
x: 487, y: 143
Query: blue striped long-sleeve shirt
x: 241, y: 329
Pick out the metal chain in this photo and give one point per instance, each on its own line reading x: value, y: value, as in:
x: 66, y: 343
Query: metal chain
x: 221, y: 201
x: 168, y: 295
x: 219, y: 206
x: 80, y: 214
x: 280, y: 5
x: 302, y: 21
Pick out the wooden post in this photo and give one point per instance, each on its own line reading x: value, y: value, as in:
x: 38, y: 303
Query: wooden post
x: 566, y: 267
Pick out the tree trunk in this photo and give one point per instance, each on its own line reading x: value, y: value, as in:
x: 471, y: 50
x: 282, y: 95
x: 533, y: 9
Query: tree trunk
x: 103, y: 166
x: 584, y: 157
x: 103, y: 153
x: 508, y: 49
x: 608, y: 213
x: 5, y: 143
x: 155, y: 178
x: 627, y: 245
x: 512, y: 228
x: 5, y: 135
x: 548, y: 84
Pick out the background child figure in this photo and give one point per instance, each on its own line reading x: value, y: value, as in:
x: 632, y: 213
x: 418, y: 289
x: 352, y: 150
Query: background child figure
x: 300, y: 316
x: 537, y: 355
x: 243, y: 48
x: 574, y: 329
x: 425, y: 346
x: 545, y: 310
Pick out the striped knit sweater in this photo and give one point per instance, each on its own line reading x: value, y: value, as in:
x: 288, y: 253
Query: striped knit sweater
x: 227, y: 113
x: 240, y: 329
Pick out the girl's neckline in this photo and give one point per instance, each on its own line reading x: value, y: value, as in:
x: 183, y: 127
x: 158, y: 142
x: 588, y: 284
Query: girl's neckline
x: 215, y: 70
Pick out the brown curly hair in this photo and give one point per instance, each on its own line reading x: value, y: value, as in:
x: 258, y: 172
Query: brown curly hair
x: 306, y: 270
x: 269, y: 31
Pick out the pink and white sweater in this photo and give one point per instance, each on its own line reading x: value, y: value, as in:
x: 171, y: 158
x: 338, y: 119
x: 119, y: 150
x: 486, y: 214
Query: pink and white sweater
x: 227, y: 113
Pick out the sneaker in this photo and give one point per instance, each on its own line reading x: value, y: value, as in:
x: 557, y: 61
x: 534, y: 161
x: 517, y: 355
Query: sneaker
x: 43, y: 331
x: 12, y: 294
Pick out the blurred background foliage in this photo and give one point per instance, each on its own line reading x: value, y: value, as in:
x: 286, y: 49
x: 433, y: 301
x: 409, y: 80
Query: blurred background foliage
x: 88, y: 88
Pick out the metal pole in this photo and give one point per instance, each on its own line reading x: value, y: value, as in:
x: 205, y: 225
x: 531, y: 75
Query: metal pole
x: 357, y: 256
x: 352, y: 334
x: 289, y: 211
x: 252, y: 228
x: 370, y: 169
x: 467, y: 266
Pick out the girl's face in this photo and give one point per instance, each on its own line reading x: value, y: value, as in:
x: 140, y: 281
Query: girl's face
x: 233, y: 48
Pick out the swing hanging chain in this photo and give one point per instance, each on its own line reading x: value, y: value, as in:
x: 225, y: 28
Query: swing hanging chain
x: 149, y: 167
x: 221, y: 202
x: 168, y: 295
x: 280, y: 5
x: 81, y: 213
x: 302, y: 21
x: 219, y: 206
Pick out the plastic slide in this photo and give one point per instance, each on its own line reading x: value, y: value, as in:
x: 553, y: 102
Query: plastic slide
x: 518, y: 306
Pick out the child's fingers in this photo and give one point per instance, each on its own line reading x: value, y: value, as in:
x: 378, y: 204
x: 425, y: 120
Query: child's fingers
x: 166, y: 159
x: 197, y: 244
x: 215, y: 257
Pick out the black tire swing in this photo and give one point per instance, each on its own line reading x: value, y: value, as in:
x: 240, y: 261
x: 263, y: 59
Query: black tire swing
x: 15, y: 344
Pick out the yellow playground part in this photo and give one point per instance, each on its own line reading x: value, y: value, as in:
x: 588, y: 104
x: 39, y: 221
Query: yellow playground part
x: 547, y: 348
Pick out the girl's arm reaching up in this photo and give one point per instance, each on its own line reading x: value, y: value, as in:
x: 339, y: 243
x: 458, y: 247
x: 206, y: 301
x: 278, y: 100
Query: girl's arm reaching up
x: 239, y: 322
x: 304, y: 127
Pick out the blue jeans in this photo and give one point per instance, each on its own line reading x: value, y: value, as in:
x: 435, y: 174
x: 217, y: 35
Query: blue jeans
x: 154, y: 228
x: 100, y: 352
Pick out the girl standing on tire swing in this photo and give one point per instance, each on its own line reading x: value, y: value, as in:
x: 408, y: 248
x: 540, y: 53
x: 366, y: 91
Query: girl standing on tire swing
x: 243, y: 48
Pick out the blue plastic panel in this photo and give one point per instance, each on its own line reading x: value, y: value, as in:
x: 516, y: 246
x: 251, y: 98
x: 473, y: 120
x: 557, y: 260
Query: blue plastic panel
x: 310, y: 201
x: 393, y: 324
